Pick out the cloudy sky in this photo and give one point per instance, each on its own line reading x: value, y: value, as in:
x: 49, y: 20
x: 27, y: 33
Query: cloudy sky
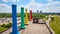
x: 34, y: 5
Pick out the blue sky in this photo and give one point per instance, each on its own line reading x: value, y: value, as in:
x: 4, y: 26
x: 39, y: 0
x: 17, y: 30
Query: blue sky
x: 34, y: 5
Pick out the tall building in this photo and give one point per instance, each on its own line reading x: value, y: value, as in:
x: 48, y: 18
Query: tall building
x: 40, y: 11
x: 37, y: 11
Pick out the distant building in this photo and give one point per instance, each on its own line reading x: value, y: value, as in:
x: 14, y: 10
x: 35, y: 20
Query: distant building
x: 5, y: 20
x: 37, y: 11
x: 40, y: 11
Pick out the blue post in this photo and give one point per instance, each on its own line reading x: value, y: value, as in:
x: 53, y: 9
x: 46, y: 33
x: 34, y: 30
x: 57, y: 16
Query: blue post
x: 14, y: 19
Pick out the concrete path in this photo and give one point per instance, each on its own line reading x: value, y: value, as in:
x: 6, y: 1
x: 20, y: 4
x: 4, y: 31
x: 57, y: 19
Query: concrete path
x: 35, y: 29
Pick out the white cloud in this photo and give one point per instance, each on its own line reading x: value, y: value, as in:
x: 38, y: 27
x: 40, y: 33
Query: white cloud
x: 19, y: 8
x: 32, y: 0
x: 18, y: 0
x: 5, y: 8
x: 49, y: 7
x: 49, y: 0
x: 5, y: 0
x: 33, y: 6
x: 10, y: 0
x: 13, y: 0
x: 52, y: 7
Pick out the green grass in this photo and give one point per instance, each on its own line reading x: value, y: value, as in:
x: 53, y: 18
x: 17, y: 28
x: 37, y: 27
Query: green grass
x: 2, y: 29
x: 45, y: 18
x: 5, y: 26
x: 38, y: 15
x: 55, y: 25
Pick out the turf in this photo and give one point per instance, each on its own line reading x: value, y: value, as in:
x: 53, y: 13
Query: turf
x: 2, y: 29
x: 55, y: 25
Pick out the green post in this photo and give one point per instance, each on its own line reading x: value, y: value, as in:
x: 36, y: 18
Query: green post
x: 22, y: 19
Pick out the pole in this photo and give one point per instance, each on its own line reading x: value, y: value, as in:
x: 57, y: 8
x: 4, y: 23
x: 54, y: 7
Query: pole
x: 22, y: 19
x: 26, y: 17
x: 14, y: 19
x: 30, y: 17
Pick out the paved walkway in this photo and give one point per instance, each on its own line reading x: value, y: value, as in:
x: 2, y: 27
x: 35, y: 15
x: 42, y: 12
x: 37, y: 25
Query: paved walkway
x: 35, y: 29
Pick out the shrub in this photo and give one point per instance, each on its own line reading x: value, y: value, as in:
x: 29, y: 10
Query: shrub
x: 3, y: 25
x: 52, y: 18
x: 9, y: 25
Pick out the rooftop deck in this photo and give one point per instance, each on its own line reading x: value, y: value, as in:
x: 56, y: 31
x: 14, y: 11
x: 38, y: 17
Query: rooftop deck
x: 34, y: 28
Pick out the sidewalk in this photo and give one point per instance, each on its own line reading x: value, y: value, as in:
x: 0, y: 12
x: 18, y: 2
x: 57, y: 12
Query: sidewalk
x: 35, y: 29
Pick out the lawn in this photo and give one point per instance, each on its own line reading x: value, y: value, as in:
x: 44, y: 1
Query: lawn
x: 5, y: 27
x: 45, y: 18
x: 55, y: 25
x: 2, y: 29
